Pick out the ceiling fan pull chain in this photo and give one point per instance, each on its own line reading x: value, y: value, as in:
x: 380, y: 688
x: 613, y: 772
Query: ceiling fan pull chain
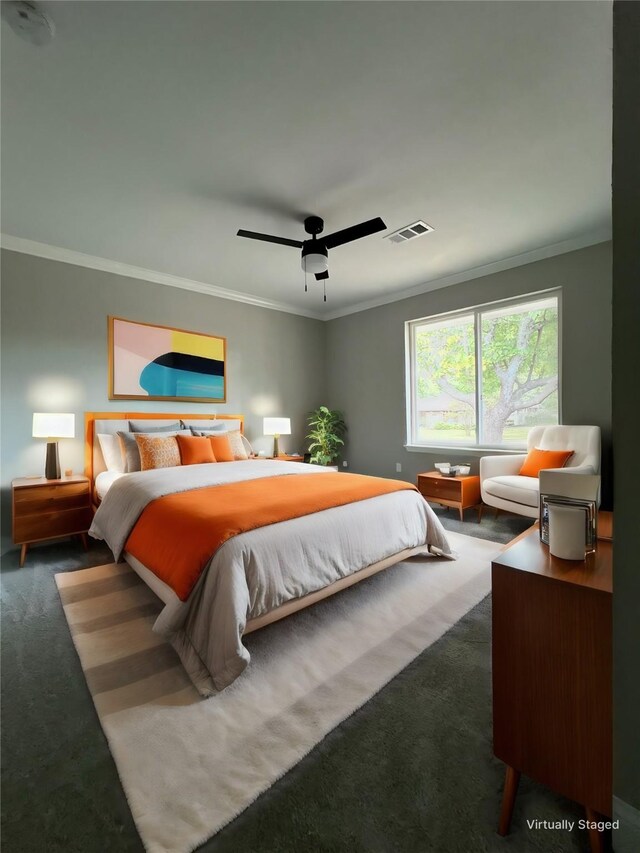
x: 305, y: 281
x: 324, y: 285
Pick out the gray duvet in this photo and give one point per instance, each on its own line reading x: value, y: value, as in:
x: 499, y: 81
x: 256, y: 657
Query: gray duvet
x: 257, y: 571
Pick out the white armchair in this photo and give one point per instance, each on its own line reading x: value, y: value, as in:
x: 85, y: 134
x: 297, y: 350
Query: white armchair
x: 502, y: 486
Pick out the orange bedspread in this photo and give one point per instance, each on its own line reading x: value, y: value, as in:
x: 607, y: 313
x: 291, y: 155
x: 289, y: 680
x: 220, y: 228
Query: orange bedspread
x: 177, y: 535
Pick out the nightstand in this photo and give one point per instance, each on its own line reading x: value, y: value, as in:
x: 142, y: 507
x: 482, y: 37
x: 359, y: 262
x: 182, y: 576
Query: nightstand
x: 284, y: 457
x: 50, y: 509
x: 461, y: 491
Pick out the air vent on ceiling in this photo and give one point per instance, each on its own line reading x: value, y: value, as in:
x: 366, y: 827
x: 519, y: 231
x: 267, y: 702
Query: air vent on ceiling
x: 416, y: 229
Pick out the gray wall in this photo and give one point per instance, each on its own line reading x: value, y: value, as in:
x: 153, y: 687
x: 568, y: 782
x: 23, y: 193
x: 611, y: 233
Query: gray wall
x: 626, y: 357
x: 366, y: 367
x: 54, y: 357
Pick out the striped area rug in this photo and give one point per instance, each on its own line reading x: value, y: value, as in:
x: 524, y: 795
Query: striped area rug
x: 189, y: 765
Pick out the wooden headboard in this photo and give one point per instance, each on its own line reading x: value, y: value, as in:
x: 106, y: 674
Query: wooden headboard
x: 91, y: 417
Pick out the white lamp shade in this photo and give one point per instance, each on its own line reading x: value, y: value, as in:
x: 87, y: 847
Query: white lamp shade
x: 276, y: 426
x: 50, y: 425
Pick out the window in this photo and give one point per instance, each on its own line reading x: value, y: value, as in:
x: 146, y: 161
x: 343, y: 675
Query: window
x: 483, y: 377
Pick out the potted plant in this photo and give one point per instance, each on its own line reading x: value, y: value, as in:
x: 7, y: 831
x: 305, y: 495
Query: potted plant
x: 327, y: 427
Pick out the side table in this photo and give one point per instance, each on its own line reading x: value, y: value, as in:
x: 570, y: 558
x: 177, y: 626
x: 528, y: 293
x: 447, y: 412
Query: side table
x: 50, y: 509
x: 460, y: 492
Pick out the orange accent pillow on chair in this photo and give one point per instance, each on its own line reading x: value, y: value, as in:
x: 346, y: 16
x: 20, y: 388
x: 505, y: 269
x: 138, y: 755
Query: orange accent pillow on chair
x: 539, y: 460
x: 222, y: 448
x: 194, y: 450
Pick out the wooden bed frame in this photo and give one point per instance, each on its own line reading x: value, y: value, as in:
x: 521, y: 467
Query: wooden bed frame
x: 288, y: 607
x: 296, y: 604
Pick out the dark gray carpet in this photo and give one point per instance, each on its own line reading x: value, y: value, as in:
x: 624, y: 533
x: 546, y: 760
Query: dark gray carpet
x: 411, y: 772
x: 502, y: 529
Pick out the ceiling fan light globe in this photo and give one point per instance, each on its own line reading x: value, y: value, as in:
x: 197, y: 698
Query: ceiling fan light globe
x: 314, y: 262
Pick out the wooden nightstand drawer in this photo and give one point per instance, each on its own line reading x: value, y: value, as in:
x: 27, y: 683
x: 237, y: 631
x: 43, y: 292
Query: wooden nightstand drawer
x: 449, y: 489
x: 35, y: 501
x: 50, y: 509
x: 460, y: 492
x: 37, y: 497
x: 49, y: 525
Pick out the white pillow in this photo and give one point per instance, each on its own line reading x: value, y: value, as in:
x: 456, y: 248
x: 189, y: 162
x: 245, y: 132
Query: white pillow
x: 111, y: 452
x: 237, y: 444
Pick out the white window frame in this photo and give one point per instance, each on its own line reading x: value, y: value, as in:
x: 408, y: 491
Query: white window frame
x: 410, y: 385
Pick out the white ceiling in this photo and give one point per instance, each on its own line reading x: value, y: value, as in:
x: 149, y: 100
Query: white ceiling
x: 149, y: 132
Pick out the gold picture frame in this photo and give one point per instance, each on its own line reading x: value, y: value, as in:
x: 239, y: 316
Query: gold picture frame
x: 167, y: 363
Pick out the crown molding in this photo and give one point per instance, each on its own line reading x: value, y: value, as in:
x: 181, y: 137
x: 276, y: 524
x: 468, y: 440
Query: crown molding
x: 603, y: 235
x: 68, y: 256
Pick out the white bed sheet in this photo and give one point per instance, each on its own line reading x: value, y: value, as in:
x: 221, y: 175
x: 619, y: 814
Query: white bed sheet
x: 105, y: 480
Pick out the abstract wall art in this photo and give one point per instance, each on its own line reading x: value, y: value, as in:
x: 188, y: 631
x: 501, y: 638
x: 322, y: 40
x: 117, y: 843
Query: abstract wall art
x: 148, y: 362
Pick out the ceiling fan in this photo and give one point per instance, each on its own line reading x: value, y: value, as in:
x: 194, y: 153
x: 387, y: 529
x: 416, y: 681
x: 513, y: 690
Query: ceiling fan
x: 315, y: 251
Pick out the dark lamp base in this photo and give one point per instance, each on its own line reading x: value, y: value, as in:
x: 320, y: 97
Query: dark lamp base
x: 52, y: 465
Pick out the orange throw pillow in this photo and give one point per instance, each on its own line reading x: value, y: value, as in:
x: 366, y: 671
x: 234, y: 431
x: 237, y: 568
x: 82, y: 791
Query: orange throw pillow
x: 221, y: 447
x: 156, y: 452
x: 538, y: 460
x: 195, y: 450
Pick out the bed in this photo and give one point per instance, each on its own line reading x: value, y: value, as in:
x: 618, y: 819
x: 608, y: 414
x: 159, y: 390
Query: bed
x: 277, y: 558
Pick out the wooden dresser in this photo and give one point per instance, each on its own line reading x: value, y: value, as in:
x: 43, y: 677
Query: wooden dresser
x: 49, y: 509
x: 552, y: 651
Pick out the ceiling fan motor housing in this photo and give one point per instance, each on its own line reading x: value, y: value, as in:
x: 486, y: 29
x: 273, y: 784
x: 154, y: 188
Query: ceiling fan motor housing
x: 315, y: 257
x: 28, y: 22
x: 314, y: 225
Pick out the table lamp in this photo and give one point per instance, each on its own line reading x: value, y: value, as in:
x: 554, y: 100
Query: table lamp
x: 53, y: 426
x: 276, y: 427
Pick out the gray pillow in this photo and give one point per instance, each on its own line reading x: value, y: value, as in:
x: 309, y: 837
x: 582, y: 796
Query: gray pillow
x: 130, y: 451
x: 209, y: 431
x: 203, y: 423
x: 167, y: 426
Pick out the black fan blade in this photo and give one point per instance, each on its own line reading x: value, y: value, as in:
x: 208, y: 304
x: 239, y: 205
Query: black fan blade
x: 268, y: 238
x: 322, y: 276
x: 347, y: 235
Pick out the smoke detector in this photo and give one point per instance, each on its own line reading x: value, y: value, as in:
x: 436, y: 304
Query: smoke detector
x: 28, y: 22
x: 416, y: 229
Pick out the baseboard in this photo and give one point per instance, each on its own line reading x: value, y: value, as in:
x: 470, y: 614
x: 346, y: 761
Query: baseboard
x: 626, y: 839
